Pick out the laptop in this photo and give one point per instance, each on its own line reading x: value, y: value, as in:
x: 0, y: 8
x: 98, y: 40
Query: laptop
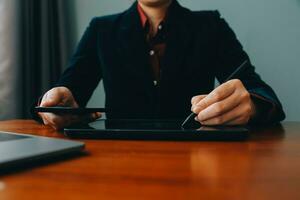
x: 149, y: 129
x: 19, y: 148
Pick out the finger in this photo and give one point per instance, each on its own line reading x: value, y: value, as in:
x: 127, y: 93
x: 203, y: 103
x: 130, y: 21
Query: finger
x: 67, y: 120
x: 51, y: 99
x: 237, y: 121
x: 58, y: 122
x: 215, y: 96
x: 220, y: 108
x: 90, y: 117
x: 43, y: 119
x: 44, y: 98
x: 198, y: 98
x: 241, y: 111
x: 98, y: 115
x: 47, y: 120
x: 85, y: 118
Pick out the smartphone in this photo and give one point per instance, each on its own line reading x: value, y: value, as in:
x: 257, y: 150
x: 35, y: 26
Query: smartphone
x: 68, y: 110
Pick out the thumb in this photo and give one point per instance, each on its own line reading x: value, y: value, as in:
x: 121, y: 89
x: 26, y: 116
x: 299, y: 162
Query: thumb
x: 90, y: 117
x: 95, y: 116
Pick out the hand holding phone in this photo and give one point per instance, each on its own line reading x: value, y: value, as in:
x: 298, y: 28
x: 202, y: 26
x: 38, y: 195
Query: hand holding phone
x: 65, y: 110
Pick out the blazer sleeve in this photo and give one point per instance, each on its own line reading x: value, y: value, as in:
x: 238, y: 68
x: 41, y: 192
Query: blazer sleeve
x: 230, y: 55
x: 84, y: 70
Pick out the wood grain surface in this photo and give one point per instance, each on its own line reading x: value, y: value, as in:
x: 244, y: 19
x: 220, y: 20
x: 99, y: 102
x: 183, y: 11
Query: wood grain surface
x: 267, y: 166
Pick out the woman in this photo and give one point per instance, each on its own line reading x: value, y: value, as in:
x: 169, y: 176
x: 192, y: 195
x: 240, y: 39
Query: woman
x: 159, y: 60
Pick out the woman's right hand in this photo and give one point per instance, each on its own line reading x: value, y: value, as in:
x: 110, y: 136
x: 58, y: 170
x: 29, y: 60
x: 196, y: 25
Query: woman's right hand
x: 63, y: 97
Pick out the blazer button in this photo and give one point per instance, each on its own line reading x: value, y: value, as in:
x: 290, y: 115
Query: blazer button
x: 152, y: 52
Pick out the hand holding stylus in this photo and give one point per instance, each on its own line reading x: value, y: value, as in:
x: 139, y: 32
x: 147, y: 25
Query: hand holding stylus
x: 228, y: 104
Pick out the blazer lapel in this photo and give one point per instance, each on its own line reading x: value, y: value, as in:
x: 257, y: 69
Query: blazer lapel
x: 133, y: 48
x: 179, y: 40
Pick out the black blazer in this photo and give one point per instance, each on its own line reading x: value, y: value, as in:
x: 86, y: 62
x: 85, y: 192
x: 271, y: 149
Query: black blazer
x: 200, y: 47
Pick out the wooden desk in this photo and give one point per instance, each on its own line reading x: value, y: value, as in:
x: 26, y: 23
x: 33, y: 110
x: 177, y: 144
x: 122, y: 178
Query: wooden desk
x: 265, y: 167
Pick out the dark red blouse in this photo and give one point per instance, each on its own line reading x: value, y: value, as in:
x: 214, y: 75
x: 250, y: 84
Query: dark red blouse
x: 157, y: 44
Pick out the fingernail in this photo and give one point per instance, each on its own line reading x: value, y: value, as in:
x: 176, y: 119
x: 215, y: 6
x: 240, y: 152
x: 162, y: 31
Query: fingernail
x: 194, y: 109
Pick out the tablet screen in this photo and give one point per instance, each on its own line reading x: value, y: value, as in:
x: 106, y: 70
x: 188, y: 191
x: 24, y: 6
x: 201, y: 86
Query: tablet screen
x: 141, y: 124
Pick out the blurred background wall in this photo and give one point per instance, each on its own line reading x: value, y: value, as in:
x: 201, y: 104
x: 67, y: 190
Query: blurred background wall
x: 34, y: 46
x: 8, y: 59
x: 269, y: 31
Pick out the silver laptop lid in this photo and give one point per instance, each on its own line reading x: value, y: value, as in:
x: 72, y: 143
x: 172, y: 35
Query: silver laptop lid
x: 15, y: 148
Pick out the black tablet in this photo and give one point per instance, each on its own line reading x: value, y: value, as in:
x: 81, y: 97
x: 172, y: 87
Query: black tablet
x: 153, y: 130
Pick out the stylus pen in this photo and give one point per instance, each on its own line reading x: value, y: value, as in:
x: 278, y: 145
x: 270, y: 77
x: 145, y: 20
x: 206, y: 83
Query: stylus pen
x: 234, y: 74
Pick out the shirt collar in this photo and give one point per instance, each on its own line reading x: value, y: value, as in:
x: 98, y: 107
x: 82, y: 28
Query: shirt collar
x: 144, y: 18
x: 142, y: 15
